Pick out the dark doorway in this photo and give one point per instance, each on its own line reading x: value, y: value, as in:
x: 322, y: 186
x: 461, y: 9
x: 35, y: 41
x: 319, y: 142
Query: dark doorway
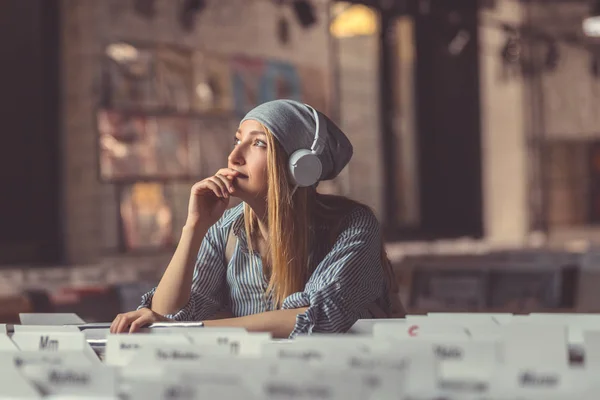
x: 447, y: 121
x: 30, y: 190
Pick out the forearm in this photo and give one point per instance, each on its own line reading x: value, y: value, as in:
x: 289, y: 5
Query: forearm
x: 173, y: 291
x: 279, y: 323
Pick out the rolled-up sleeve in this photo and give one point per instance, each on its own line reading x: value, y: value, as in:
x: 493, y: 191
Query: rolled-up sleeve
x: 208, y: 292
x: 345, y: 282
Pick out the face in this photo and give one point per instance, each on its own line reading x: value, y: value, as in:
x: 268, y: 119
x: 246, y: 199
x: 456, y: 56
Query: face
x: 249, y: 157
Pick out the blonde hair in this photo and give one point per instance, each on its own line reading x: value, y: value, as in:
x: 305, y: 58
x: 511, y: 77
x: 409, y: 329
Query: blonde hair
x: 290, y: 218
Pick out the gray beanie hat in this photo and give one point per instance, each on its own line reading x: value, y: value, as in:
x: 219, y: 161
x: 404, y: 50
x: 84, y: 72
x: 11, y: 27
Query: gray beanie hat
x: 293, y: 125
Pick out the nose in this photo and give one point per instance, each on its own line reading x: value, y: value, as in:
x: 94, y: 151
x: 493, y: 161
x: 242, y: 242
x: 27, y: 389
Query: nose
x: 236, y: 157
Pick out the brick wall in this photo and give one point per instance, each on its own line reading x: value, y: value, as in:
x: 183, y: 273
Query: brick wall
x: 245, y: 27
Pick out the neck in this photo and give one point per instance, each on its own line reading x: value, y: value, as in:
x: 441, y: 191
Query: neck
x: 260, y: 210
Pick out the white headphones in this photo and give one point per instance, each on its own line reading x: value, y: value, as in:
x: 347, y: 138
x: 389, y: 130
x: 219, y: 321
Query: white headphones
x: 305, y: 165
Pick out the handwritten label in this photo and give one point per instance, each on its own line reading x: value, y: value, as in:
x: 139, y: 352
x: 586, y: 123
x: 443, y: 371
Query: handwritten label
x: 305, y: 385
x: 84, y: 381
x: 307, y: 352
x: 174, y: 353
x: 121, y: 349
x: 68, y: 378
x: 239, y: 343
x: 48, y: 344
x: 448, y: 352
x: 542, y: 381
x: 529, y: 378
x: 63, y: 341
x: 64, y: 358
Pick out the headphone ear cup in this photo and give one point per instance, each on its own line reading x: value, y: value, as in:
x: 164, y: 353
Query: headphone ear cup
x: 305, y: 167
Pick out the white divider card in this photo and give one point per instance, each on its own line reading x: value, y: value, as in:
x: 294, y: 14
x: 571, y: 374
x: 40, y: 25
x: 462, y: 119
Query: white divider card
x: 3, y: 330
x: 307, y: 352
x: 365, y: 326
x: 60, y: 358
x: 374, y: 383
x: 121, y: 348
x: 466, y: 367
x: 223, y: 377
x: 45, y: 328
x: 420, y: 329
x: 575, y: 323
x: 469, y: 317
x: 350, y: 343
x: 158, y: 389
x: 537, y: 344
x: 82, y: 381
x: 54, y: 342
x: 176, y: 354
x: 50, y: 319
x: 541, y: 382
x: 183, y: 329
x: 6, y: 344
x: 13, y: 385
x: 488, y: 330
x: 290, y: 387
x: 239, y: 343
x: 592, y: 350
x: 421, y: 380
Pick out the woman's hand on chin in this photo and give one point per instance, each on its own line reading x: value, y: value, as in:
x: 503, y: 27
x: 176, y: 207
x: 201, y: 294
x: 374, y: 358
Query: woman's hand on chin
x: 135, y: 320
x: 209, y: 198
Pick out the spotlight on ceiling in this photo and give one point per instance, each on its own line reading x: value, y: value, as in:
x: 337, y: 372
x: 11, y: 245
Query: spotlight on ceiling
x: 591, y: 24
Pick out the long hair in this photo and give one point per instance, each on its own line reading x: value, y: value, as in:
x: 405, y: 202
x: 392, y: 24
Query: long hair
x: 289, y: 224
x: 290, y: 219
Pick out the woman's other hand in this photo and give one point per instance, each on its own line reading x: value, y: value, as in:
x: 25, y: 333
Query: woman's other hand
x: 209, y: 198
x: 133, y: 321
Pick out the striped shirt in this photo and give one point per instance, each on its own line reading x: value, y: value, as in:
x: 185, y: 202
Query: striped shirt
x: 347, y: 279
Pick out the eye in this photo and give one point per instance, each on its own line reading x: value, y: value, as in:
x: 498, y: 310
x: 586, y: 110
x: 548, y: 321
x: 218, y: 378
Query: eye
x: 260, y: 143
x: 236, y: 141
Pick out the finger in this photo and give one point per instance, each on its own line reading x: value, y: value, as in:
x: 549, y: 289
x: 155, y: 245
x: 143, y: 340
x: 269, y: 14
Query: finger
x: 217, y: 190
x: 124, y: 322
x: 114, y: 324
x: 228, y: 184
x: 140, y: 323
x: 228, y: 172
x: 222, y: 186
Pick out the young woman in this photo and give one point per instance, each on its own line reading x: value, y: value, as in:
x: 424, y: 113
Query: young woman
x: 287, y: 260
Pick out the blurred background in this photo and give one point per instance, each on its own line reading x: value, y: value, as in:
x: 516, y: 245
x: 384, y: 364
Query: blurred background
x: 476, y: 128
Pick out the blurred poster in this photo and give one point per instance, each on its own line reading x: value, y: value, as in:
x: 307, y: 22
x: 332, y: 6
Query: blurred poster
x: 131, y: 77
x: 170, y: 140
x: 140, y: 78
x: 211, y: 144
x: 137, y: 146
x: 280, y: 81
x: 212, y: 84
x: 147, y: 216
x: 175, y: 77
x: 247, y: 75
x: 315, y: 88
